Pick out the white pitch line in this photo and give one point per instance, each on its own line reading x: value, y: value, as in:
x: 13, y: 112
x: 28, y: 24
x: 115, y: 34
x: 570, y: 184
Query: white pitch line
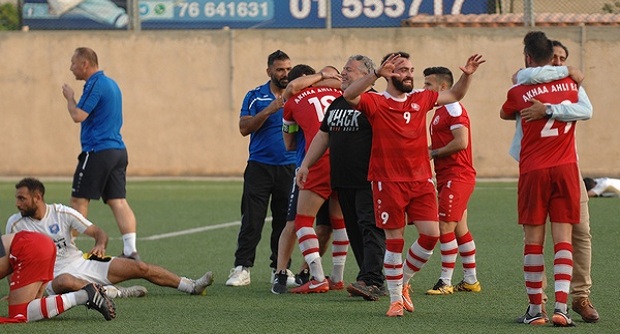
x: 183, y: 232
x: 190, y: 231
x: 194, y: 230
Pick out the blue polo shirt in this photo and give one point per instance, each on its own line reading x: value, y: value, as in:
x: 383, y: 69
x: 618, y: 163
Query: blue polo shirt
x: 103, y: 102
x: 266, y: 143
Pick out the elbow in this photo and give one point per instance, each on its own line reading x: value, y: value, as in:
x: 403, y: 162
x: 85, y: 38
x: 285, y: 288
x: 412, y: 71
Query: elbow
x: 504, y: 116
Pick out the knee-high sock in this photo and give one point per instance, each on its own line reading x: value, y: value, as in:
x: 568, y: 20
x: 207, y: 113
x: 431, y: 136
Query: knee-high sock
x: 533, y: 268
x: 467, y: 250
x: 562, y: 272
x: 420, y: 251
x: 449, y: 252
x: 340, y: 246
x: 393, y: 268
x: 309, y: 245
x: 51, y: 306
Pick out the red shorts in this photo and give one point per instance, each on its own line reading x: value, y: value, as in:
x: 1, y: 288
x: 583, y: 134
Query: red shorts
x: 318, y: 178
x: 552, y: 192
x: 392, y: 200
x: 453, y: 198
x: 32, y: 259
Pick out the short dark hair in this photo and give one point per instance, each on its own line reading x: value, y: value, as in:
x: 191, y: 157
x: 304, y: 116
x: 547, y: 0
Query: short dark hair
x: 443, y: 74
x: 32, y: 184
x: 300, y: 70
x: 590, y: 183
x: 401, y: 53
x: 558, y: 43
x: 538, y: 47
x: 276, y: 55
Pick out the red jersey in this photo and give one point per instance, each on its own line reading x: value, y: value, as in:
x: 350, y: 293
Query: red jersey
x: 458, y: 166
x: 546, y: 142
x: 399, y: 142
x: 307, y: 109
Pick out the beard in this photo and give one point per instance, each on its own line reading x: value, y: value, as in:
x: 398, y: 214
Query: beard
x: 28, y: 212
x: 399, y: 85
x: 280, y: 83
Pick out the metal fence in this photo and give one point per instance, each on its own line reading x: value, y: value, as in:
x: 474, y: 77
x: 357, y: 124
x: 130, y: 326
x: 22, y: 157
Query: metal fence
x: 266, y: 14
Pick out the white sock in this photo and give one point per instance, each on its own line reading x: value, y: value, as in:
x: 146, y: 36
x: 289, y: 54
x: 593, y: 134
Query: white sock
x: 111, y: 291
x: 129, y: 243
x: 186, y: 285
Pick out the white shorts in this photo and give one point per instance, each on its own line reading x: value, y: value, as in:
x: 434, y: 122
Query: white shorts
x: 90, y: 270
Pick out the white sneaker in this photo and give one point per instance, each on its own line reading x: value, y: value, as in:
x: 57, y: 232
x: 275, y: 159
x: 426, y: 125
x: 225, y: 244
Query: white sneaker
x: 201, y: 284
x: 239, y: 276
x: 290, y: 277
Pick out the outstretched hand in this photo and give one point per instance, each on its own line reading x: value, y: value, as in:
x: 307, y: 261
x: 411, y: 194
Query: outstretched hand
x: 472, y: 64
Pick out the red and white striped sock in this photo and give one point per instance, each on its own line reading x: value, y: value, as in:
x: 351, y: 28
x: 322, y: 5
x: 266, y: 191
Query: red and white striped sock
x: 449, y: 252
x: 533, y: 268
x: 340, y: 247
x: 393, y: 268
x: 563, y: 273
x: 420, y: 251
x: 467, y: 250
x: 45, y: 308
x: 309, y: 245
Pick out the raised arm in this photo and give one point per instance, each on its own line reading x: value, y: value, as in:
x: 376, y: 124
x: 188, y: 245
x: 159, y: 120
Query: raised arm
x: 536, y: 75
x: 318, y: 79
x: 77, y: 115
x: 354, y: 91
x: 457, y: 92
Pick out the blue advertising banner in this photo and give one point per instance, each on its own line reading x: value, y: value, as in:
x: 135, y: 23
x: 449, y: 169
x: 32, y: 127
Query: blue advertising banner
x: 237, y: 14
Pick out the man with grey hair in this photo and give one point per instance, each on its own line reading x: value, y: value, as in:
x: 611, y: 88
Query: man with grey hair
x: 348, y: 135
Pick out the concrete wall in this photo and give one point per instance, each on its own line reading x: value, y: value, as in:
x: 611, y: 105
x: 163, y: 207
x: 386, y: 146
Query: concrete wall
x: 183, y: 89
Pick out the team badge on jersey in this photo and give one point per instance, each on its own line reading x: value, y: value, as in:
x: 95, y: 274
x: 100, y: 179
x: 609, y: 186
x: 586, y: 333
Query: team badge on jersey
x: 436, y: 120
x: 415, y: 106
x: 54, y: 229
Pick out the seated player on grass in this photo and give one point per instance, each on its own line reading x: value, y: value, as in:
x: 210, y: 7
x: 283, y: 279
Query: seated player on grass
x: 57, y: 220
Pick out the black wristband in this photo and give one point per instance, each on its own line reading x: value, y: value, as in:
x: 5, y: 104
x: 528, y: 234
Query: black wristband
x: 377, y: 75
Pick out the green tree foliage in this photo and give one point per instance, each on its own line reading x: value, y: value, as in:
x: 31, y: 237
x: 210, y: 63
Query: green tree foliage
x: 9, y: 17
